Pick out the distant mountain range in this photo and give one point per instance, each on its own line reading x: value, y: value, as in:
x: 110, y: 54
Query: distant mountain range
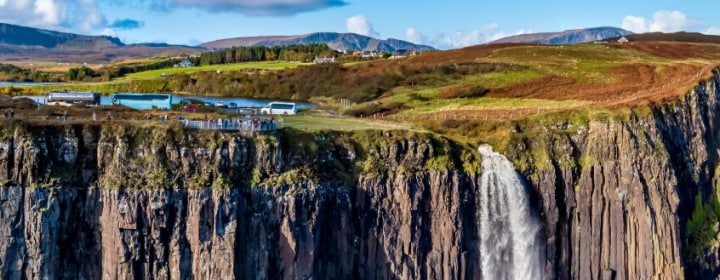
x: 337, y: 41
x: 27, y: 36
x: 20, y: 43
x: 566, y: 37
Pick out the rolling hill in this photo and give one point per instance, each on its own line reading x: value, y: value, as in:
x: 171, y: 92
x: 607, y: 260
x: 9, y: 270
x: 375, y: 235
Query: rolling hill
x: 687, y: 37
x: 16, y: 35
x: 20, y: 43
x: 566, y: 37
x: 338, y: 41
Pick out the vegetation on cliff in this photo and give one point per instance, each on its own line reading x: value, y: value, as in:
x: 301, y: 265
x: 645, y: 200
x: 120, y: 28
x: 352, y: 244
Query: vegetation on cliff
x: 703, y: 228
x: 316, y: 156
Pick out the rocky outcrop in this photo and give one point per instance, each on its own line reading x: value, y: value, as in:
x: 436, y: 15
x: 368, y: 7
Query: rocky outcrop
x: 84, y: 202
x: 616, y: 193
x: 613, y: 196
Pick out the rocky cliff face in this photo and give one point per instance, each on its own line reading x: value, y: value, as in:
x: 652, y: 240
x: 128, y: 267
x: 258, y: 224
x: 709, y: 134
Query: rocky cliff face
x: 616, y: 194
x: 83, y: 202
x: 612, y: 197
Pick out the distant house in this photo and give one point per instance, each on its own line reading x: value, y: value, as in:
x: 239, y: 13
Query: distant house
x: 320, y: 60
x: 400, y: 54
x: 357, y: 53
x: 623, y: 40
x: 185, y: 63
x: 369, y: 54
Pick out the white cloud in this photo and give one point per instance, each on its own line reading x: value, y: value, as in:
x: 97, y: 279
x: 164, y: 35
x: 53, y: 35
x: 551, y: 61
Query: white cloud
x: 415, y: 36
x: 80, y: 15
x: 662, y: 21
x: 635, y: 24
x: 670, y: 21
x: 360, y: 25
x: 460, y: 39
x: 713, y: 30
x: 108, y: 32
x: 491, y: 26
x: 93, y: 16
x: 49, y: 12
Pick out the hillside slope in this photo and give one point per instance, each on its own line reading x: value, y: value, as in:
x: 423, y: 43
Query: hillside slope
x: 566, y: 37
x: 687, y: 37
x: 16, y: 35
x: 338, y: 41
x: 22, y: 44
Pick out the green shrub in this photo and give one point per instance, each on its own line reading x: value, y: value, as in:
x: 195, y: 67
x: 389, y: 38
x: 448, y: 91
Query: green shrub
x: 463, y: 91
x: 416, y: 96
x: 440, y: 163
x: 364, y: 110
x: 373, y: 108
x: 703, y: 227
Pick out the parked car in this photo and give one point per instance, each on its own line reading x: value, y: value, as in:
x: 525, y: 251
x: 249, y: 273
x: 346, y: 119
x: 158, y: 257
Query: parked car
x: 232, y: 105
x: 220, y: 104
x: 189, y: 108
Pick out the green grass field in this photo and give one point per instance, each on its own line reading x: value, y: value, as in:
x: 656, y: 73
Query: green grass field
x: 583, y: 62
x: 145, y: 85
x: 316, y: 123
x: 492, y: 103
x: 263, y: 65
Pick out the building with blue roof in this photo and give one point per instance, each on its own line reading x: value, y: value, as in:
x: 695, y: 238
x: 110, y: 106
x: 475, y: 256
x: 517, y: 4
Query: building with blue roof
x: 140, y: 101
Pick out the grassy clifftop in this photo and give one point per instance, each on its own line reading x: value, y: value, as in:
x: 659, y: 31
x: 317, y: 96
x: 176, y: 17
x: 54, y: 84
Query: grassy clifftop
x: 165, y: 155
x: 476, y: 94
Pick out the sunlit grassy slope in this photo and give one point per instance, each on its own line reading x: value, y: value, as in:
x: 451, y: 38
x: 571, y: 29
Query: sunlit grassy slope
x: 561, y: 77
x: 477, y: 91
x: 264, y: 65
x: 316, y: 123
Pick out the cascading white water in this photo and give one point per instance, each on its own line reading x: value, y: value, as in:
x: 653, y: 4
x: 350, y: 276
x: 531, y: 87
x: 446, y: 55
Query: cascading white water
x: 511, y: 245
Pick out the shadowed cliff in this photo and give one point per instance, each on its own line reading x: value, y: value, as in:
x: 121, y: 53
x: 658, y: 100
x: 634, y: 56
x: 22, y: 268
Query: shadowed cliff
x: 628, y: 195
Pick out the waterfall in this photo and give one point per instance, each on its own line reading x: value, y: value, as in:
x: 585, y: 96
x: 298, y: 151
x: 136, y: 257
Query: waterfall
x: 510, y: 237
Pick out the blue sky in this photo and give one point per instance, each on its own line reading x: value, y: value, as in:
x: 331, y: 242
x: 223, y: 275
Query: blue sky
x: 443, y: 24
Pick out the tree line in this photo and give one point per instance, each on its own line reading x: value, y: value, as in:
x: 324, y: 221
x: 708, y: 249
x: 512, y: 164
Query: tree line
x: 12, y: 73
x: 300, y: 53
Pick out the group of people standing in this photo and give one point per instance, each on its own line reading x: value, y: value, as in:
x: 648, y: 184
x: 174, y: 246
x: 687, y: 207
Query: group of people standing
x: 9, y: 113
x: 248, y: 123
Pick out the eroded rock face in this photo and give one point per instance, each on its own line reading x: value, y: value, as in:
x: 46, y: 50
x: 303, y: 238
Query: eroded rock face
x: 616, y: 194
x: 90, y: 202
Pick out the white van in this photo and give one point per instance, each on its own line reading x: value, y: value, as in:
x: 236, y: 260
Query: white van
x: 279, y: 108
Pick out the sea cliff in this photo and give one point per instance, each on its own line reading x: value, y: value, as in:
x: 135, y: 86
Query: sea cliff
x: 614, y: 197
